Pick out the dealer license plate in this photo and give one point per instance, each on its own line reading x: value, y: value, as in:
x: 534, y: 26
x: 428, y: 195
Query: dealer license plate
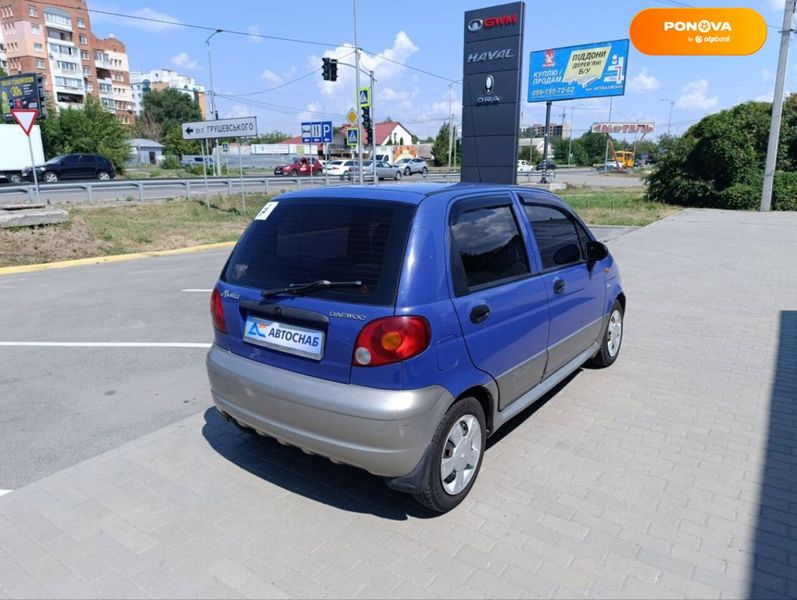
x: 285, y: 338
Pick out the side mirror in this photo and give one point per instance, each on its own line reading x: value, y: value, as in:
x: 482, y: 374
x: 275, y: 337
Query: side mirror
x: 596, y: 251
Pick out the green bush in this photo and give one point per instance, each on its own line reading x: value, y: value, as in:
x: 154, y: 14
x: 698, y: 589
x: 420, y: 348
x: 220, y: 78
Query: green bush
x: 784, y: 192
x: 170, y: 161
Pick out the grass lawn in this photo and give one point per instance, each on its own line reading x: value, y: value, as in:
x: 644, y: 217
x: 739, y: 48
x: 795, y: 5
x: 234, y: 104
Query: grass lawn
x: 616, y: 207
x: 127, y: 227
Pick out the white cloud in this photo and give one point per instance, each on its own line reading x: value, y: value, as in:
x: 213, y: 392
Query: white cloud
x: 184, y: 61
x: 164, y: 21
x: 275, y: 79
x: 237, y: 111
x: 777, y: 4
x: 255, y: 31
x: 643, y: 82
x: 695, y: 97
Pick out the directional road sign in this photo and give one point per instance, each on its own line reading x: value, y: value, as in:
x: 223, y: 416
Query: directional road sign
x: 351, y: 116
x: 315, y: 132
x: 365, y: 97
x: 25, y: 118
x: 221, y: 128
x: 352, y: 137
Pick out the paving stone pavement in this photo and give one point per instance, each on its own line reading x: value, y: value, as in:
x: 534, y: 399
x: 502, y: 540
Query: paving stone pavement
x: 671, y: 474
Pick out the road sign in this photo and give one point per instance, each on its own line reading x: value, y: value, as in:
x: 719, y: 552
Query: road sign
x: 25, y: 118
x: 365, y: 97
x: 225, y: 147
x: 587, y: 71
x: 316, y: 132
x: 351, y: 116
x: 221, y: 128
x: 352, y: 137
x: 19, y: 91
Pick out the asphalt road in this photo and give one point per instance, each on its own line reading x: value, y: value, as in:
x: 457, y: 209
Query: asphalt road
x: 61, y: 404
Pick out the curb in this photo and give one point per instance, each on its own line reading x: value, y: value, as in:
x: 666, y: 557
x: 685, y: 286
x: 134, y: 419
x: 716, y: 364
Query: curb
x: 110, y: 259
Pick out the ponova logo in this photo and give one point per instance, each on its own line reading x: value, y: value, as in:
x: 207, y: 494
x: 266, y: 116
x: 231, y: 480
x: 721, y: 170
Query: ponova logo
x: 698, y: 31
x: 703, y: 26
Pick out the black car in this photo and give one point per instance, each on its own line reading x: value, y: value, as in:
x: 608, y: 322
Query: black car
x: 73, y: 166
x: 550, y: 167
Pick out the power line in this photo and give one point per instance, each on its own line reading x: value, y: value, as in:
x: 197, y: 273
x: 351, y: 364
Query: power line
x: 396, y: 62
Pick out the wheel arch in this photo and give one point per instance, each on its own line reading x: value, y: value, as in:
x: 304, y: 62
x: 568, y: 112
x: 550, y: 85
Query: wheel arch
x: 485, y: 398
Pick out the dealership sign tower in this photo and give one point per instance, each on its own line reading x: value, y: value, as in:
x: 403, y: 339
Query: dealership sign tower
x: 491, y: 93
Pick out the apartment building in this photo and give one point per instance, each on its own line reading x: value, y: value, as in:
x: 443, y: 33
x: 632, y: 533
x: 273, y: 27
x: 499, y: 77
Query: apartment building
x: 54, y: 38
x: 161, y: 79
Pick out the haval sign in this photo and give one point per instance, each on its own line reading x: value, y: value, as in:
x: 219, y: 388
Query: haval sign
x: 490, y: 22
x: 491, y: 92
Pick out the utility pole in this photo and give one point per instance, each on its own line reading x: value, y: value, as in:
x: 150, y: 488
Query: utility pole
x: 669, y: 120
x: 777, y: 106
x: 357, y: 96
x: 214, y: 112
x: 570, y: 138
x: 545, y: 142
x: 450, y: 124
x: 373, y: 128
x: 608, y: 136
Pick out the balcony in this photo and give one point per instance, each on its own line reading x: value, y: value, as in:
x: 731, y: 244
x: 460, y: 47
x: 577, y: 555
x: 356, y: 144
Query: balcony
x: 58, y: 21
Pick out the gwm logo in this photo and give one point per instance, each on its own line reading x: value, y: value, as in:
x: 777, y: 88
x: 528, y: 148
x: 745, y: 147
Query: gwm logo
x: 478, y: 24
x: 703, y: 26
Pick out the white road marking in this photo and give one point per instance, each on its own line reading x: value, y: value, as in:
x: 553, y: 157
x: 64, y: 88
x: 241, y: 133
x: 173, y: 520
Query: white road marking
x: 4, y: 492
x: 197, y: 290
x: 108, y: 344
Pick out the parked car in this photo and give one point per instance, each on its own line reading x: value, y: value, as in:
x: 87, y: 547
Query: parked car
x: 523, y: 166
x: 383, y: 171
x: 300, y: 166
x: 409, y: 166
x: 73, y: 166
x: 396, y: 328
x: 551, y: 165
x: 338, y: 167
x: 188, y: 160
x: 609, y: 165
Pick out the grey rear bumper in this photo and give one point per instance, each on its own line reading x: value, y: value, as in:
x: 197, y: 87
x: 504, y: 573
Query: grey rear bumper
x: 385, y: 432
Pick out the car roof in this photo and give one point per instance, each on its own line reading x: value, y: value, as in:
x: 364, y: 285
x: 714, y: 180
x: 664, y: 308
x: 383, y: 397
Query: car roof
x: 415, y: 193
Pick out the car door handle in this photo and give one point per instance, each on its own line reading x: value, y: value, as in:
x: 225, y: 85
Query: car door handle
x: 479, y: 313
x: 559, y: 286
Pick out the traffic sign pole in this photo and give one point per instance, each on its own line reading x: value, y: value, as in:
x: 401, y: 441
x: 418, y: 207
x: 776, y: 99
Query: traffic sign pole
x: 205, y: 171
x: 241, y: 168
x: 373, y: 126
x: 33, y: 168
x: 357, y: 93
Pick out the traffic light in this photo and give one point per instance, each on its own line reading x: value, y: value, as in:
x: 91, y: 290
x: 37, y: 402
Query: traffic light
x: 368, y: 126
x: 329, y: 69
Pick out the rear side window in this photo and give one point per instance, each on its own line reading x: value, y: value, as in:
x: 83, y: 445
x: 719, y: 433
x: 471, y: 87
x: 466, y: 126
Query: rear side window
x: 487, y: 248
x: 304, y: 240
x: 556, y: 234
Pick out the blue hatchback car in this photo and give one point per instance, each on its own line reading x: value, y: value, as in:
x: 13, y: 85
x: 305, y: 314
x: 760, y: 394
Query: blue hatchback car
x: 395, y: 328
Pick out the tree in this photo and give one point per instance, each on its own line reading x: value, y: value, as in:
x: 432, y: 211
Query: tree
x: 169, y: 109
x: 440, y: 146
x: 3, y: 73
x: 719, y: 162
x: 272, y: 137
x: 147, y: 127
x: 90, y: 129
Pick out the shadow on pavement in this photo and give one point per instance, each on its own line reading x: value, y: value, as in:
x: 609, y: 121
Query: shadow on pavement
x: 773, y: 571
x: 314, y: 477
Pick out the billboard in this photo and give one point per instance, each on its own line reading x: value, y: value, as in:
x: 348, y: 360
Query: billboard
x: 606, y: 127
x: 586, y: 71
x: 19, y: 91
x: 491, y: 94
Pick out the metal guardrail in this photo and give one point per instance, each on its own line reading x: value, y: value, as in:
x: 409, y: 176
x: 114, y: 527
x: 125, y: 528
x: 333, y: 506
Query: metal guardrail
x: 190, y: 187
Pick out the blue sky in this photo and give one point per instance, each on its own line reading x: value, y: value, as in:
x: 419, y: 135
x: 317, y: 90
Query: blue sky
x: 426, y: 35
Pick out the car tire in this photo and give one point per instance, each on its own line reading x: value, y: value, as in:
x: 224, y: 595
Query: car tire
x: 424, y: 171
x: 611, y: 340
x: 15, y: 178
x: 294, y: 173
x: 50, y: 177
x: 397, y: 176
x: 407, y: 171
x: 464, y: 418
x: 103, y: 176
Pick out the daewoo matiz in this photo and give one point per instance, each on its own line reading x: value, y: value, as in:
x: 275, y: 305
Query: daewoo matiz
x: 395, y: 328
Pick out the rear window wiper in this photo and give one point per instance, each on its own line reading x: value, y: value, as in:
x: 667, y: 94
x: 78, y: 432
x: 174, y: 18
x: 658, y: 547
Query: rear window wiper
x: 299, y: 288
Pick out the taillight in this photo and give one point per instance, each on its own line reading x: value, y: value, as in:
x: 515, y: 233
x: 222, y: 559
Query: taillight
x: 217, y: 311
x: 390, y: 340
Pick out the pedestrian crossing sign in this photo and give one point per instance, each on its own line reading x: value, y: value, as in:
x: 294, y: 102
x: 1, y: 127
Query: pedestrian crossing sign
x: 365, y: 97
x: 352, y: 137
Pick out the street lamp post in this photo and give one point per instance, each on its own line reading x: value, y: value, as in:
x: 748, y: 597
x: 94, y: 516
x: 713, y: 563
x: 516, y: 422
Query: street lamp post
x: 214, y: 112
x: 669, y: 120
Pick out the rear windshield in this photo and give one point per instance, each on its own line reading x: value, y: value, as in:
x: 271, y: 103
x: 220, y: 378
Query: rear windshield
x: 304, y: 240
